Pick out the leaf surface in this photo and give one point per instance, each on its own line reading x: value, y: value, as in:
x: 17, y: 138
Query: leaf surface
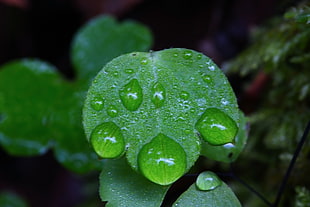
x: 121, y: 187
x: 164, y: 92
x: 221, y: 196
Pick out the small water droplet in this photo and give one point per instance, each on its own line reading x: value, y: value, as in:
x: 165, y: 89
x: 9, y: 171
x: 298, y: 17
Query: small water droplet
x: 131, y: 95
x: 200, y: 66
x: 97, y: 103
x: 188, y: 55
x: 187, y: 131
x: 184, y: 95
x: 158, y: 95
x: 199, y: 56
x: 207, y: 78
x: 144, y: 61
x: 162, y: 164
x: 112, y: 111
x: 211, y: 67
x: 216, y: 127
x: 107, y: 140
x: 129, y: 71
x: 208, y: 181
x: 115, y: 74
x: 175, y: 54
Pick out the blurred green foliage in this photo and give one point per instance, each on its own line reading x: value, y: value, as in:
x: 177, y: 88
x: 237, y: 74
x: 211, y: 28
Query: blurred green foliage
x: 281, y: 51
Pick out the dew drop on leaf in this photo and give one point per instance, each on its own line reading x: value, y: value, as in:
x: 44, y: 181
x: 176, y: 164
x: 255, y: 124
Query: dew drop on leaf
x: 208, y: 181
x: 158, y: 95
x: 107, y: 140
x: 206, y: 78
x: 131, y: 95
x: 184, y: 95
x: 162, y: 160
x: 97, y: 103
x: 112, y: 111
x: 188, y: 55
x: 144, y: 61
x: 216, y: 127
x: 129, y: 71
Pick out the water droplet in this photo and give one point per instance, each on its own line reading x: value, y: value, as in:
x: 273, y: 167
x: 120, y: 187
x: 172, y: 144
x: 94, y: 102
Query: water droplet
x: 97, y: 103
x: 144, y: 61
x: 162, y: 160
x: 206, y: 78
x: 107, y: 140
x: 199, y: 56
x: 112, y: 111
x: 188, y: 55
x: 200, y: 66
x: 208, y: 181
x: 175, y: 54
x: 131, y: 95
x: 184, y: 95
x: 187, y: 131
x: 129, y: 71
x: 216, y: 127
x: 211, y: 67
x: 115, y: 73
x: 158, y: 95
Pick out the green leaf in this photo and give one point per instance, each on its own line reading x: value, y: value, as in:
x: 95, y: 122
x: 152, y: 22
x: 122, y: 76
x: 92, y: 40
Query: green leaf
x: 122, y: 187
x: 103, y: 39
x: 28, y: 89
x: 166, y: 93
x: 8, y: 199
x: 228, y: 152
x: 39, y: 111
x: 221, y: 196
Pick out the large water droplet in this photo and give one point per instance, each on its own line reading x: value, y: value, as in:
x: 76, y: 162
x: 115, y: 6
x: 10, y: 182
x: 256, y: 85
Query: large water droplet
x: 162, y: 160
x: 158, y: 95
x: 112, y: 111
x: 216, y: 127
x: 107, y: 140
x: 208, y: 181
x: 131, y: 95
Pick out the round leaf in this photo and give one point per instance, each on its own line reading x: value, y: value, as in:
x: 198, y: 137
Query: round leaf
x: 170, y: 90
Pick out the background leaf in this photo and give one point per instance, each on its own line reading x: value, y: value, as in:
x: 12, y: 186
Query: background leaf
x: 28, y: 90
x: 103, y: 39
x: 8, y: 199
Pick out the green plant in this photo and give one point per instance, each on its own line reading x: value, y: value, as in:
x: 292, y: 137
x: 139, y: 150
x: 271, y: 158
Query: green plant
x: 162, y: 101
x: 161, y: 110
x: 42, y: 110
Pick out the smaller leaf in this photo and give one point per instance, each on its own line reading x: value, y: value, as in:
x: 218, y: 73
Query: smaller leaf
x: 162, y: 161
x: 208, y: 181
x: 221, y: 196
x: 121, y: 187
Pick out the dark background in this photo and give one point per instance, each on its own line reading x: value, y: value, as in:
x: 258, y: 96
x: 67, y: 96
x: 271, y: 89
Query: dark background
x: 44, y: 29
